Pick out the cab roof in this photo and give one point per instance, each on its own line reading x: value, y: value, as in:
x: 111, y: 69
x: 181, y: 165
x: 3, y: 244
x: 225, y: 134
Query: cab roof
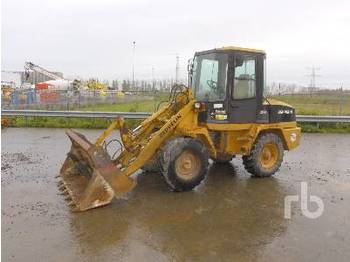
x: 243, y: 49
x: 233, y: 49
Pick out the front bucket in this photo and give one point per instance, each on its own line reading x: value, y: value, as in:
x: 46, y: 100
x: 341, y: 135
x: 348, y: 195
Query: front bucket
x: 89, y: 177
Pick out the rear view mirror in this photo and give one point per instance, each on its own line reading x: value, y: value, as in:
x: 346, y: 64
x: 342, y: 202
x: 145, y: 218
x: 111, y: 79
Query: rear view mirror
x: 190, y: 66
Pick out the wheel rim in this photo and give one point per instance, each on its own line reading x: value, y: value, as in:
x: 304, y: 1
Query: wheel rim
x: 187, y: 165
x: 269, y: 156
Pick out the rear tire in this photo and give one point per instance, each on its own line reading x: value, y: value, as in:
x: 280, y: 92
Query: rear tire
x: 184, y: 163
x: 266, y: 156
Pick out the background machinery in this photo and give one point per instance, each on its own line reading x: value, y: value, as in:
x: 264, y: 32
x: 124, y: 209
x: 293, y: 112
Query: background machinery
x: 221, y: 114
x: 29, y: 66
x: 56, y: 80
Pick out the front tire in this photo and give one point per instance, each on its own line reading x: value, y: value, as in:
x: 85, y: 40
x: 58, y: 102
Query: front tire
x: 152, y: 165
x: 184, y: 163
x: 266, y: 156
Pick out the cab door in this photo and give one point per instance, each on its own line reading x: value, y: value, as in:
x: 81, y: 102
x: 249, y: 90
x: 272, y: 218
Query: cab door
x: 210, y: 86
x: 244, y: 84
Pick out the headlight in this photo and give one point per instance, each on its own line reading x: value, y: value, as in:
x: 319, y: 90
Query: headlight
x: 200, y: 106
x: 293, y: 137
x: 197, y: 105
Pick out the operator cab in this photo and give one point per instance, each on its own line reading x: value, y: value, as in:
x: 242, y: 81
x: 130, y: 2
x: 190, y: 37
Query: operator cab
x: 230, y: 81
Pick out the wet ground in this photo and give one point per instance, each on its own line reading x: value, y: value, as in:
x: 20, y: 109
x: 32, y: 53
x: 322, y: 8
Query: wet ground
x: 229, y: 217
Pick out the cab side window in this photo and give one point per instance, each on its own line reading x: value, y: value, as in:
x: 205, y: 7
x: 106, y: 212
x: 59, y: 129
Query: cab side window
x: 245, y: 79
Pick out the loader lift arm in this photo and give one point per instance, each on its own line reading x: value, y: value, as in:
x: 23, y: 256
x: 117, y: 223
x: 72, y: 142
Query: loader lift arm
x: 142, y: 143
x: 91, y: 178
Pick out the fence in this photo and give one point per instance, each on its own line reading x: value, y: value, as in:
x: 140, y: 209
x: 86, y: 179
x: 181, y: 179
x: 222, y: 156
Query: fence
x: 335, y: 102
x: 66, y: 100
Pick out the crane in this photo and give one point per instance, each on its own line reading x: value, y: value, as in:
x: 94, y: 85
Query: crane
x: 31, y: 66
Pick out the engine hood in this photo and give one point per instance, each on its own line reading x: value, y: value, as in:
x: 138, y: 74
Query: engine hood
x: 275, y: 102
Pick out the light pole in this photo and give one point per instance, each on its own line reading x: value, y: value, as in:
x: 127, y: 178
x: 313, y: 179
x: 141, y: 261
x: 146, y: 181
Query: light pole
x: 133, y: 64
x: 153, y: 80
x: 177, y: 69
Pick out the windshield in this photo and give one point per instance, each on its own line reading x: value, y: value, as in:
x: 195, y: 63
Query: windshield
x: 209, y: 77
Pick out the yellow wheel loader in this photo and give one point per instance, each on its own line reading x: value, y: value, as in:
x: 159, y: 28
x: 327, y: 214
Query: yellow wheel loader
x: 222, y: 113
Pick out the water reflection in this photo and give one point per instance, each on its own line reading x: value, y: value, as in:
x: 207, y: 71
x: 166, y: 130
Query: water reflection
x: 229, y: 216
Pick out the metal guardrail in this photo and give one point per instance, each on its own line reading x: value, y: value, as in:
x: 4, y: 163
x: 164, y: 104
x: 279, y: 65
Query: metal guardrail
x: 323, y: 119
x: 142, y: 115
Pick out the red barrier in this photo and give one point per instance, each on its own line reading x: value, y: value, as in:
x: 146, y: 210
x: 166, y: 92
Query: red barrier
x: 50, y: 97
x: 42, y: 86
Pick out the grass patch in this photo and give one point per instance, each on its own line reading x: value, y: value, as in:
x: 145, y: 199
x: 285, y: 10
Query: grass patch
x: 321, y: 104
x: 343, y: 128
x: 62, y: 122
x: 141, y: 106
x: 146, y: 105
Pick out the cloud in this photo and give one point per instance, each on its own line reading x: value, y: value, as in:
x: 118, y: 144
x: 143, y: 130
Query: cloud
x: 94, y: 38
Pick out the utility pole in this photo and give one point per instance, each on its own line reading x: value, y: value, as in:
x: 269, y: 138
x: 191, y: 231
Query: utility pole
x: 177, y: 69
x: 341, y: 101
x: 313, y: 76
x: 133, y: 64
x: 279, y: 89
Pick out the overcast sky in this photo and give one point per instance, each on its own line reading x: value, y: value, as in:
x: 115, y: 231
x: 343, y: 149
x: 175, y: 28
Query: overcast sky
x: 93, y: 38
